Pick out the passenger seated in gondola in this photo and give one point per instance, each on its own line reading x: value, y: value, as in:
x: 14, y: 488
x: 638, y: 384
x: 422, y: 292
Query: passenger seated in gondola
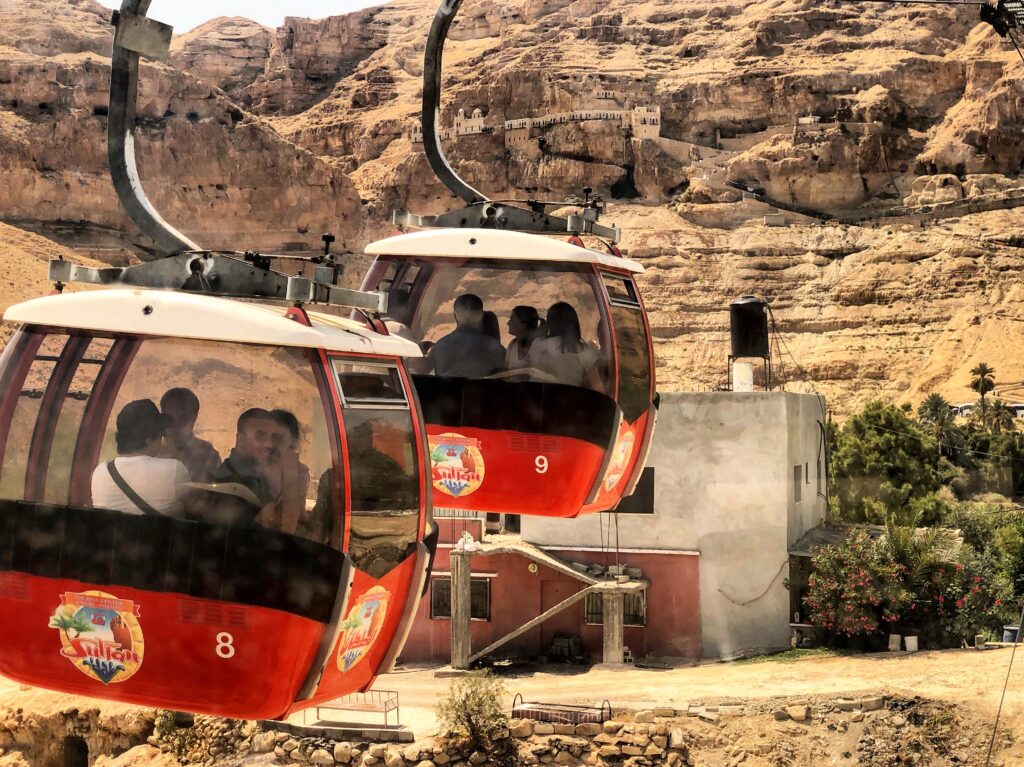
x: 490, y: 326
x: 181, y: 409
x: 249, y: 461
x: 563, y: 354
x: 287, y: 476
x: 397, y: 318
x: 523, y: 324
x: 466, y: 352
x: 137, y: 481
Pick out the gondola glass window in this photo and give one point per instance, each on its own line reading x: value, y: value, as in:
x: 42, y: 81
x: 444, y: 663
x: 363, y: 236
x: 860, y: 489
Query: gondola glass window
x: 423, y: 298
x: 383, y: 465
x: 64, y: 426
x: 634, y: 354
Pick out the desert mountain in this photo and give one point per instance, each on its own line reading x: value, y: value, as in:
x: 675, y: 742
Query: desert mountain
x: 268, y: 137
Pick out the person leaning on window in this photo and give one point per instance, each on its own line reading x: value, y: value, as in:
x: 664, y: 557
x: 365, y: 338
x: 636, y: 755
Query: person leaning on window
x: 137, y: 481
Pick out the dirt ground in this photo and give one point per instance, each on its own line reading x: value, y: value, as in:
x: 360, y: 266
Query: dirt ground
x: 939, y: 713
x: 968, y: 678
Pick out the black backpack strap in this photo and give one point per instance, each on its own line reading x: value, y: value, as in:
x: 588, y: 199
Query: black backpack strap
x: 125, y: 488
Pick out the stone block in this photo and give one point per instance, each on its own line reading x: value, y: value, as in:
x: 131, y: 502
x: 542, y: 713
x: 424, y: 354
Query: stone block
x: 264, y: 742
x: 321, y: 756
x: 694, y: 710
x: 290, y: 745
x: 664, y: 711
x: 280, y: 753
x: 846, y: 704
x: 609, y: 751
x: 612, y: 726
x: 874, y: 703
x: 476, y: 758
x: 343, y: 752
x: 412, y: 753
x: 780, y: 715
x: 543, y: 728
x: 565, y: 757
x: 709, y: 716
x: 425, y: 763
x: 644, y: 717
x: 377, y: 750
x: 604, y: 738
x: 675, y: 738
x: 521, y: 728
x: 797, y: 713
x: 653, y: 750
x: 564, y: 729
x: 660, y: 741
x: 632, y: 751
x: 588, y: 729
x: 440, y: 757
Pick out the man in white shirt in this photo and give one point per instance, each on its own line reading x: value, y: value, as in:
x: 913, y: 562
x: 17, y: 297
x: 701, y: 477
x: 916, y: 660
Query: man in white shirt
x: 137, y: 481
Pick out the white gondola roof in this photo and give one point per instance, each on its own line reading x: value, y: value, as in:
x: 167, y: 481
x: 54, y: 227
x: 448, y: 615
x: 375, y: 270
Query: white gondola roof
x: 189, y: 315
x: 494, y: 244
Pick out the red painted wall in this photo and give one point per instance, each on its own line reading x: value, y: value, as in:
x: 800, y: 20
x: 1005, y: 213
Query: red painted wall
x: 517, y: 596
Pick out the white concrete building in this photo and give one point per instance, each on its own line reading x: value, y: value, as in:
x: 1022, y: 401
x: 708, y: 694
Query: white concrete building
x: 738, y: 479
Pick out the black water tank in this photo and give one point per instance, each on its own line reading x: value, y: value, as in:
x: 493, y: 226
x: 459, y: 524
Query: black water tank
x: 748, y: 323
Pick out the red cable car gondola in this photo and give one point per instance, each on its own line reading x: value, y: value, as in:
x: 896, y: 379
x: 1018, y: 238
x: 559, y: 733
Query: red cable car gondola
x: 560, y: 436
x: 540, y: 445
x: 280, y: 568
x: 205, y: 608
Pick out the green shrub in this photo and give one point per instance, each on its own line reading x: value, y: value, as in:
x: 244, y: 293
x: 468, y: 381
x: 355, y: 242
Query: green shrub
x: 473, y: 712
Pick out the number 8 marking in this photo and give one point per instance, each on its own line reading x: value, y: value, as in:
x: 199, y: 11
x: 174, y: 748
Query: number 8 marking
x: 541, y: 463
x: 225, y: 645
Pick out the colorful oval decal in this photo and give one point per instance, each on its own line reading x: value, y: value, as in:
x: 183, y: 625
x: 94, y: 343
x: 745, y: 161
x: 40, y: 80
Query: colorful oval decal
x: 362, y: 626
x: 457, y: 463
x: 100, y: 635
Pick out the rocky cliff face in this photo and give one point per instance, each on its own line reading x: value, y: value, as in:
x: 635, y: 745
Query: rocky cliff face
x: 227, y: 52
x: 224, y: 176
x: 850, y: 109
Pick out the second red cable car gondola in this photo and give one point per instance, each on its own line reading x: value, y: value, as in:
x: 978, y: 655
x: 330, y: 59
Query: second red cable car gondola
x: 536, y: 444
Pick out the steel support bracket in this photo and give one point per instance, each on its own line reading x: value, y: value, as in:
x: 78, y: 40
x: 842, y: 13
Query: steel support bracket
x: 142, y: 35
x: 493, y: 215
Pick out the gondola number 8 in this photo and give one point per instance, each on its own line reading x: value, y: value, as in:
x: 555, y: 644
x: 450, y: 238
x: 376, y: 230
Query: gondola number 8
x: 225, y: 645
x: 541, y: 464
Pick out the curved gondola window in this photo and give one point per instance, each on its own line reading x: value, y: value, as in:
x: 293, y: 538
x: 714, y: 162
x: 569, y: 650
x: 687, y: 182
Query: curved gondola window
x: 383, y: 466
x: 430, y: 317
x: 632, y: 346
x: 14, y: 471
x: 264, y: 471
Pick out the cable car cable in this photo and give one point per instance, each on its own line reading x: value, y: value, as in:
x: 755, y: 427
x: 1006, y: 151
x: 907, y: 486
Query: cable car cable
x: 1006, y: 683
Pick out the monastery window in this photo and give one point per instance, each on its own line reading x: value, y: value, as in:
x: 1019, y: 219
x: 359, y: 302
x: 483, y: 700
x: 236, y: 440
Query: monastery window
x: 797, y: 483
x: 441, y: 598
x: 634, y: 609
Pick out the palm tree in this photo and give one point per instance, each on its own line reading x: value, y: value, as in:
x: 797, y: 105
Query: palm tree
x: 1000, y: 418
x: 66, y: 622
x: 921, y: 550
x: 936, y: 413
x: 983, y: 380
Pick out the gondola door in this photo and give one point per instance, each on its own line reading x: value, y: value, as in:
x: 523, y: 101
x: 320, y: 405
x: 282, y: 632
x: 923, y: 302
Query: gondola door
x: 387, y: 502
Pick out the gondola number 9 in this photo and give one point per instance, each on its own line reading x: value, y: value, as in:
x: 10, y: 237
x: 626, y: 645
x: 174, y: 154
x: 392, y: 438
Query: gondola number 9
x: 541, y: 464
x: 225, y: 645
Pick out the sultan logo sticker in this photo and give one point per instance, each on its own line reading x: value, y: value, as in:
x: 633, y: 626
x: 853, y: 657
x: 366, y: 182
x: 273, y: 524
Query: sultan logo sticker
x: 100, y: 634
x: 620, y: 459
x: 362, y: 627
x: 457, y: 464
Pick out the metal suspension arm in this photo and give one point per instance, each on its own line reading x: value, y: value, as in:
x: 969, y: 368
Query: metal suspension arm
x: 432, y: 105
x: 136, y: 35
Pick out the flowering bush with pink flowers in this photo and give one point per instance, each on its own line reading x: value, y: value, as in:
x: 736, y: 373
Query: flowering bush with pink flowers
x: 968, y: 597
x: 854, y: 590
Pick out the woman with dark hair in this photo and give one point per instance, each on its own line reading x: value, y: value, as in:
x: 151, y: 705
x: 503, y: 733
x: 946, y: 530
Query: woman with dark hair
x: 490, y: 326
x: 563, y: 354
x: 523, y: 323
x: 287, y: 476
x: 138, y: 481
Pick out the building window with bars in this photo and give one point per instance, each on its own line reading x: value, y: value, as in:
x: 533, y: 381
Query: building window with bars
x: 479, y: 599
x: 634, y: 609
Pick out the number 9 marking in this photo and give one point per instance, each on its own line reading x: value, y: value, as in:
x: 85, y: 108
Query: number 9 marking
x: 225, y: 645
x: 541, y: 464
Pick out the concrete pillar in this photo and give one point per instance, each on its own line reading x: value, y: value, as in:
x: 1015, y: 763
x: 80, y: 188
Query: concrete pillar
x: 613, y: 611
x: 461, y: 568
